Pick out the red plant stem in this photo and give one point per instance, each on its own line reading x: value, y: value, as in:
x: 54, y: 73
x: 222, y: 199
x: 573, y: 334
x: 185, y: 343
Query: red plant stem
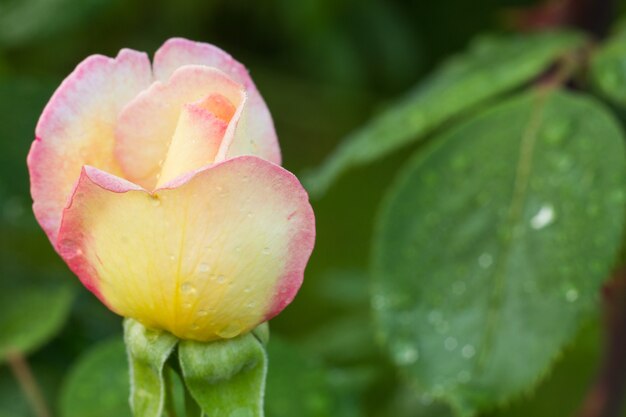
x: 28, y: 384
x: 605, y: 397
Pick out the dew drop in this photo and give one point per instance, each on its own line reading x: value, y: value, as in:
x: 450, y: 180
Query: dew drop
x: 248, y: 289
x: 405, y: 354
x: 571, y: 295
x: 379, y: 301
x: 463, y: 377
x: 202, y: 313
x: 203, y: 267
x: 485, y: 260
x: 229, y: 331
x: 450, y: 343
x: 266, y: 251
x: 442, y: 327
x: 195, y: 326
x: 468, y: 351
x: 543, y: 218
x: 557, y: 131
x: 434, y: 317
x: 188, y: 288
x: 458, y: 288
x: 221, y: 279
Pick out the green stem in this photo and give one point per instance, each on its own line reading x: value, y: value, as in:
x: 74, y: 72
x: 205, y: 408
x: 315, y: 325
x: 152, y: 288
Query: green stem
x: 28, y: 384
x: 192, y: 409
x: 170, y: 409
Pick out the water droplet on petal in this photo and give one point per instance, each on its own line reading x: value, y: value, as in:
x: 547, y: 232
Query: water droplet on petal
x: 265, y: 251
x: 202, y: 313
x: 203, y: 267
x: 188, y: 288
x: 221, y: 279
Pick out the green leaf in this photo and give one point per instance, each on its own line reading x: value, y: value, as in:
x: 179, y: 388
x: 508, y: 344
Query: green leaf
x: 608, y: 69
x: 98, y: 384
x: 31, y: 315
x: 491, y: 67
x: 569, y: 381
x: 148, y: 351
x: 225, y: 377
x: 493, y: 245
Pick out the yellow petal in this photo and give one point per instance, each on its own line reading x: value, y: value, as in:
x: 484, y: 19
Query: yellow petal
x: 211, y: 257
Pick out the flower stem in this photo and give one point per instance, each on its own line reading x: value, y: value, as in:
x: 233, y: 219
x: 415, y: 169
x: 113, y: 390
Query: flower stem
x: 170, y: 409
x: 28, y: 384
x: 192, y: 409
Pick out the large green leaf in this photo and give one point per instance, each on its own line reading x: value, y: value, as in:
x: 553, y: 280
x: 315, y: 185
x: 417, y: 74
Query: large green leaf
x: 30, y: 315
x: 493, y: 245
x: 491, y: 67
x: 98, y: 384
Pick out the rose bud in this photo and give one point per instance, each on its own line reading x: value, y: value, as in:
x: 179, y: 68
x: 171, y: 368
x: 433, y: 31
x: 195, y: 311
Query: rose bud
x: 161, y: 188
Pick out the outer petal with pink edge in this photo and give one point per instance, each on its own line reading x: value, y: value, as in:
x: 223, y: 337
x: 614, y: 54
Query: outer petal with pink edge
x: 256, y: 134
x: 211, y: 258
x: 77, y: 128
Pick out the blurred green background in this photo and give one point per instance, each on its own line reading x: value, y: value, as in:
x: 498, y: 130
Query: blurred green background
x: 324, y: 67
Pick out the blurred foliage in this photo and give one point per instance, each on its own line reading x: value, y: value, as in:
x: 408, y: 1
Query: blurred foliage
x: 329, y: 70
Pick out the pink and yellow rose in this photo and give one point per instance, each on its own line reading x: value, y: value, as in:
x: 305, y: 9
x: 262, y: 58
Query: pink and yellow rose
x: 161, y: 188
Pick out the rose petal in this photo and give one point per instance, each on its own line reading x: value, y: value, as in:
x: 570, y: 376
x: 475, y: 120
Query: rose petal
x: 77, y: 128
x: 147, y: 125
x: 195, y: 143
x: 256, y: 134
x: 212, y: 258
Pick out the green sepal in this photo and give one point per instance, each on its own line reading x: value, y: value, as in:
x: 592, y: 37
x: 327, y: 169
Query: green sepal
x: 262, y: 333
x: 147, y: 352
x: 226, y: 377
